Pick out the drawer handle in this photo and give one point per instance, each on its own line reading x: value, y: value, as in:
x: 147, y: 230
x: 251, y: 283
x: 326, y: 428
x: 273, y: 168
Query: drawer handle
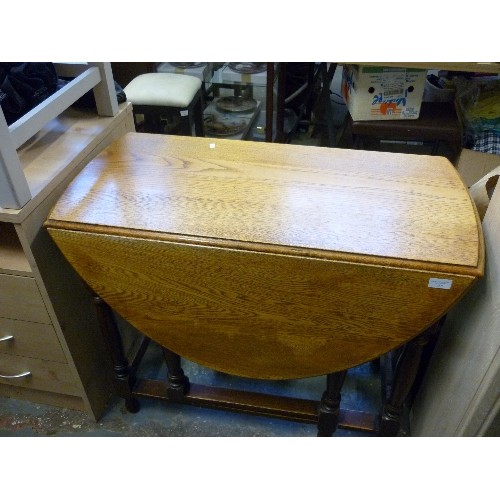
x: 7, y: 337
x: 20, y: 375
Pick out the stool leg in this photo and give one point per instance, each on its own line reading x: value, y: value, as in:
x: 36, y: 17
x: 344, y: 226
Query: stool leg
x: 329, y: 407
x: 198, y: 118
x: 135, y: 121
x: 191, y: 121
x: 123, y: 380
x: 186, y: 121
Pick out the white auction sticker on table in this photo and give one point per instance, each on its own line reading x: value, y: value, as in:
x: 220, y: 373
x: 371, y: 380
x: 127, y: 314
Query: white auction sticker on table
x: 440, y: 283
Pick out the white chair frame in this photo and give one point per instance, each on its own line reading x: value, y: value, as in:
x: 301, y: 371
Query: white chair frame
x: 14, y: 188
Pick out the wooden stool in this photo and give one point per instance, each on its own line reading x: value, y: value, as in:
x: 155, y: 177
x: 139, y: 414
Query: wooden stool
x: 167, y: 95
x: 436, y: 132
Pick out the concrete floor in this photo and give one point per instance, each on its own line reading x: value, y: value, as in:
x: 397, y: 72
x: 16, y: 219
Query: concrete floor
x: 361, y: 392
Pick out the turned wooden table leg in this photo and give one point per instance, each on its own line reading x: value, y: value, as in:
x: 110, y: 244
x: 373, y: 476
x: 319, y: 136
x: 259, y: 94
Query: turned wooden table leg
x: 178, y: 383
x: 433, y: 334
x: 405, y: 373
x: 123, y: 379
x: 329, y: 407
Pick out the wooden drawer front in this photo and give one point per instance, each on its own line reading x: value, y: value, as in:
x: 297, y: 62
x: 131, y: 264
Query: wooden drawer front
x: 45, y: 375
x: 21, y: 299
x: 33, y: 340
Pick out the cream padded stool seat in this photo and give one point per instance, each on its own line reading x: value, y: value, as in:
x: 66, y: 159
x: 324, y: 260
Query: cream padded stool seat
x: 160, y: 95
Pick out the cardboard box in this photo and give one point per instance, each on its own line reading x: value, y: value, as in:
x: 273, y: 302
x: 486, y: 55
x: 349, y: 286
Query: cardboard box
x: 473, y: 165
x: 379, y: 93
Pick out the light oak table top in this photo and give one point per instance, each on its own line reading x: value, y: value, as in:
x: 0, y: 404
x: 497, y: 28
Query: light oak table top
x: 270, y: 260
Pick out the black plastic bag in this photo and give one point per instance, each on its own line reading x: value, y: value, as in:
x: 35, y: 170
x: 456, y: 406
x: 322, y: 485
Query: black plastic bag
x: 88, y: 100
x: 24, y: 85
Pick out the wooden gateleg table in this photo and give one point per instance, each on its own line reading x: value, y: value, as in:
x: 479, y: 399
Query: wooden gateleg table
x: 269, y: 261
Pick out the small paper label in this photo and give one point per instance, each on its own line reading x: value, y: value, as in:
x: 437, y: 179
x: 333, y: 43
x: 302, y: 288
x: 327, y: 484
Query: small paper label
x: 440, y: 283
x: 184, y: 112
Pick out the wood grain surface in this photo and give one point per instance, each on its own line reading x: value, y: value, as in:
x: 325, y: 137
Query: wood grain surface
x: 267, y: 260
x: 405, y: 207
x: 258, y: 314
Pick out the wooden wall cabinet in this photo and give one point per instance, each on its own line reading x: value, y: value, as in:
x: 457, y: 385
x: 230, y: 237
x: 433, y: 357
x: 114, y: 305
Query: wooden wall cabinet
x: 50, y: 346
